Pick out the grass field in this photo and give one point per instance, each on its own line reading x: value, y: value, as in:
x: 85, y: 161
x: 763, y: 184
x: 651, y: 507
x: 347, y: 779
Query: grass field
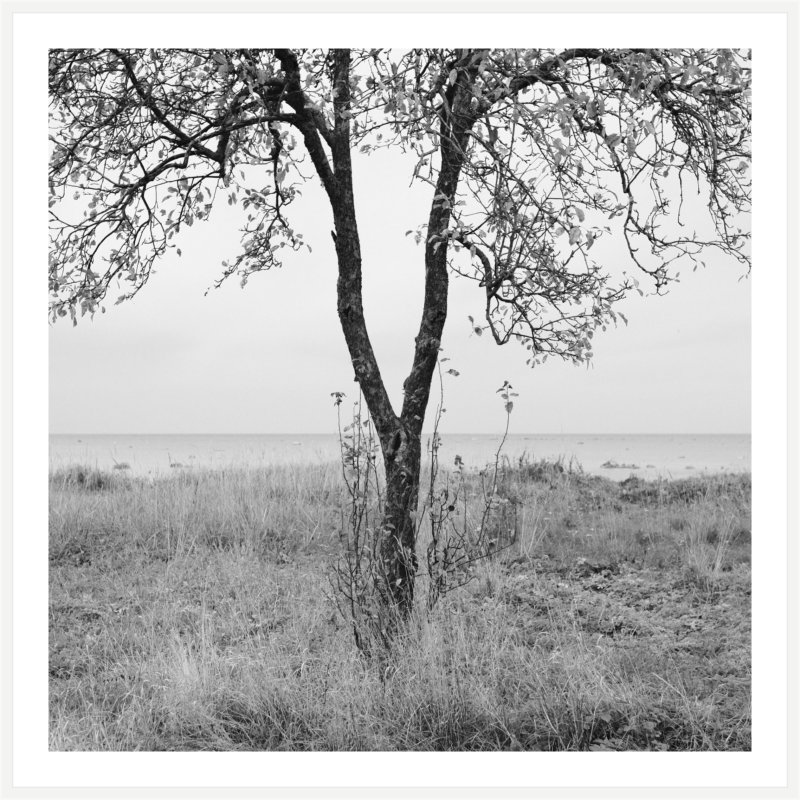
x: 194, y: 612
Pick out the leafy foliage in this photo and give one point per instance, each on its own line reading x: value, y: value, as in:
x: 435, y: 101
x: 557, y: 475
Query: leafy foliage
x: 556, y: 149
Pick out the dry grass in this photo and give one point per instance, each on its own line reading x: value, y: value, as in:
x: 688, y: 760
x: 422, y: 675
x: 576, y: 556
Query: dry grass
x: 191, y: 613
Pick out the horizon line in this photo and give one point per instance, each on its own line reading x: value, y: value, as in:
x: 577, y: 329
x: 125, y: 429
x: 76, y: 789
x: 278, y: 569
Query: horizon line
x: 424, y: 433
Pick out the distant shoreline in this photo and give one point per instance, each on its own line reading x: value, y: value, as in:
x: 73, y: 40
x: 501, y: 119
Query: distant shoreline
x: 615, y: 457
x: 424, y: 433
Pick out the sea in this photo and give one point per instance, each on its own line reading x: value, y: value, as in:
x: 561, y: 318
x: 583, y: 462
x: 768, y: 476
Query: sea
x: 649, y: 456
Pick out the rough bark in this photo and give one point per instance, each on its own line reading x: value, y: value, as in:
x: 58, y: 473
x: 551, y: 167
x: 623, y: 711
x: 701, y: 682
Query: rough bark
x: 397, y: 544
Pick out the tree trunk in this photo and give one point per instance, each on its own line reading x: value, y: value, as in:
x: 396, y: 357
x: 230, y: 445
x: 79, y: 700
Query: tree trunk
x: 397, y: 538
x: 400, y: 436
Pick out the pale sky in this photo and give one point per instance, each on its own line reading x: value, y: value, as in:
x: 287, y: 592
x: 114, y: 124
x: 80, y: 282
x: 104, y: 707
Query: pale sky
x: 265, y: 359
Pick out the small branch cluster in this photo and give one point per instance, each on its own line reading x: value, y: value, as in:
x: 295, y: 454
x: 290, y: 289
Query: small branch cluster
x: 457, y: 542
x: 145, y: 143
x: 356, y: 574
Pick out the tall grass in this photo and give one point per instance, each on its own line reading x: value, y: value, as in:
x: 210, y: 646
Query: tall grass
x: 195, y: 612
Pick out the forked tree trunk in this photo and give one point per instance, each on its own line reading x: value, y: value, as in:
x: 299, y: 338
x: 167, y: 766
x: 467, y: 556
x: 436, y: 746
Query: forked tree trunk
x: 400, y: 436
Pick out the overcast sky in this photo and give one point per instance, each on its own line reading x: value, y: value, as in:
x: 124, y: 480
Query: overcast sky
x: 265, y: 359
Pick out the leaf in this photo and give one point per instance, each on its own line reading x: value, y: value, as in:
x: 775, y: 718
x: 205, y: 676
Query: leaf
x: 509, y: 406
x: 579, y: 212
x: 453, y: 372
x: 451, y: 78
x: 478, y: 331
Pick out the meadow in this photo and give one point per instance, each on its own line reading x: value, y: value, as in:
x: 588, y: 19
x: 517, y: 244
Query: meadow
x: 196, y: 611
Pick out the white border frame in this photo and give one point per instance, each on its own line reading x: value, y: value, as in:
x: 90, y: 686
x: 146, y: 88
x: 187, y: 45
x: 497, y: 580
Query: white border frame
x: 35, y: 28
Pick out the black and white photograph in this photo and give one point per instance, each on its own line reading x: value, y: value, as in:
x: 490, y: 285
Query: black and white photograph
x: 388, y: 584
x: 400, y: 399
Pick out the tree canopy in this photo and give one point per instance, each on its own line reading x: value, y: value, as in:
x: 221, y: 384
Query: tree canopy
x: 558, y: 144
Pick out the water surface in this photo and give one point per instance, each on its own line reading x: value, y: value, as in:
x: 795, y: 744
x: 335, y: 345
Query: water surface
x: 648, y: 456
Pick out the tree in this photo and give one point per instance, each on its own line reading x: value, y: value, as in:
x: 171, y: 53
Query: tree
x: 531, y: 156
